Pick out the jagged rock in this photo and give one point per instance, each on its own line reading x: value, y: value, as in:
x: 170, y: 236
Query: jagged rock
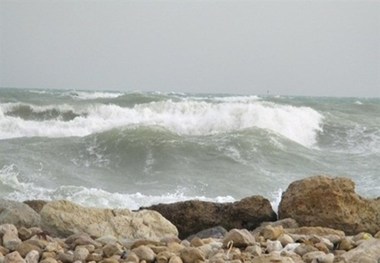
x: 214, y: 232
x: 192, y: 255
x: 81, y: 254
x: 367, y: 251
x: 313, y: 255
x: 112, y: 249
x: 24, y: 248
x: 36, y: 205
x: 330, y: 202
x: 271, y: 259
x: 272, y: 233
x: 10, y: 236
x: 18, y: 214
x: 193, y: 216
x: 13, y: 257
x: 238, y: 238
x: 63, y: 218
x: 144, y: 253
x: 32, y: 257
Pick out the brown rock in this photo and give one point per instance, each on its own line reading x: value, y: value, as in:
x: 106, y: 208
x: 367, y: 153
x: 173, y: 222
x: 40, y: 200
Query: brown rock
x: 304, y: 248
x: 192, y: 255
x: 4, y: 250
x: 112, y: 249
x: 13, y: 257
x: 50, y: 254
x: 330, y: 202
x: 346, y: 244
x: 48, y: 260
x: 66, y: 257
x: 132, y: 257
x: 175, y: 259
x: 144, y: 253
x: 238, y: 238
x: 36, y: 205
x: 367, y: 251
x: 32, y: 257
x: 193, y: 216
x: 24, y: 248
x: 272, y: 233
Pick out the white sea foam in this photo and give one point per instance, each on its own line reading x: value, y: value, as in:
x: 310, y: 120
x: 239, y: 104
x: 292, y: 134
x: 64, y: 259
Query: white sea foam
x: 92, y: 95
x: 92, y: 197
x: 195, y: 118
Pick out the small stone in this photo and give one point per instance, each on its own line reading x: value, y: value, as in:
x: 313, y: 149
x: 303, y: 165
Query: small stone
x: 329, y: 258
x: 66, y: 257
x: 164, y: 256
x: 36, y: 242
x: 192, y: 255
x: 4, y: 250
x: 291, y: 247
x: 109, y: 260
x: 285, y: 239
x: 24, y: 248
x: 81, y: 253
x: 132, y: 257
x: 238, y: 238
x: 49, y: 260
x: 255, y: 250
x: 94, y: 257
x: 104, y: 240
x: 362, y: 236
x: 273, y: 246
x: 377, y: 235
x: 272, y: 233
x: 175, y: 247
x: 175, y: 259
x: 144, y: 242
x: 322, y: 247
x: 144, y: 253
x: 24, y: 233
x: 196, y: 242
x: 10, y: 236
x: 48, y: 255
x: 346, y: 244
x: 303, y: 249
x: 112, y: 249
x: 54, y: 247
x: 13, y: 257
x: 32, y: 257
x: 158, y: 249
x: 310, y: 256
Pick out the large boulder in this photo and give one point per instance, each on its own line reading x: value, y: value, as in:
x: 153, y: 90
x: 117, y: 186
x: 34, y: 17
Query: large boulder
x: 367, y: 251
x: 193, y: 216
x: 18, y: 214
x: 63, y: 218
x: 330, y: 202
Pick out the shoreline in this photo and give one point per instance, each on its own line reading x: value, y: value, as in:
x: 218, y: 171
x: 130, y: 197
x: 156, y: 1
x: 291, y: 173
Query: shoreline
x: 312, y: 226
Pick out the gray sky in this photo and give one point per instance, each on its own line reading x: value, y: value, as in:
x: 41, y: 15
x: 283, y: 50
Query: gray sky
x: 321, y: 48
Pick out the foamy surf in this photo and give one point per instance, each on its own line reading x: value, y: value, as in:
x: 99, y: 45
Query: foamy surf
x: 193, y: 118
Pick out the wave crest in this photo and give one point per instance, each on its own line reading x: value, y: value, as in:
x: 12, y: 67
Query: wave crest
x: 191, y: 118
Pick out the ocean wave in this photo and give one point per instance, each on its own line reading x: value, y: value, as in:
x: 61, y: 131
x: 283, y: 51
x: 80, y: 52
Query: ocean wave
x: 193, y: 118
x: 92, y: 197
x: 39, y: 113
x: 93, y: 95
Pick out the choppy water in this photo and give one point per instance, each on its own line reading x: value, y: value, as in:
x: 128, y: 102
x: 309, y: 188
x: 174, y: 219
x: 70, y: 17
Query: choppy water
x: 115, y: 149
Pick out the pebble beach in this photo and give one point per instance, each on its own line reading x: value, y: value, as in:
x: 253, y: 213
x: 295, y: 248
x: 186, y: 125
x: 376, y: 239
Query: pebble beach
x: 62, y: 231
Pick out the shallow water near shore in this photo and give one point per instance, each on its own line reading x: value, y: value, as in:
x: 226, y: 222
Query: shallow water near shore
x: 116, y: 149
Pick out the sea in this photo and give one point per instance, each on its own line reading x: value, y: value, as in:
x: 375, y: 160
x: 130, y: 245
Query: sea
x: 132, y: 149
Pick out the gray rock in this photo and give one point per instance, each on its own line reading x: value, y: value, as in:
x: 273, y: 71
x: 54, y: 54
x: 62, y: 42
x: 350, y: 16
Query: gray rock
x: 64, y: 218
x: 10, y: 236
x: 238, y: 238
x: 18, y: 214
x: 214, y: 232
x: 193, y: 216
x: 367, y: 251
x: 32, y: 257
x: 330, y: 202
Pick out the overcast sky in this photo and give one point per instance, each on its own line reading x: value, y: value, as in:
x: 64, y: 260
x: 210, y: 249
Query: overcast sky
x: 319, y: 48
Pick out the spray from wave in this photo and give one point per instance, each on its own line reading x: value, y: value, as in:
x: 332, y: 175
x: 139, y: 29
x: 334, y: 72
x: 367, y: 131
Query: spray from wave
x: 189, y: 118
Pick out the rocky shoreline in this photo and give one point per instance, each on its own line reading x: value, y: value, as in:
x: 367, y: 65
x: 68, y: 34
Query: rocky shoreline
x: 320, y: 219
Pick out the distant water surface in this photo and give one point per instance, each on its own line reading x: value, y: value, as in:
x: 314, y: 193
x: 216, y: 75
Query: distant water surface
x: 129, y: 149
